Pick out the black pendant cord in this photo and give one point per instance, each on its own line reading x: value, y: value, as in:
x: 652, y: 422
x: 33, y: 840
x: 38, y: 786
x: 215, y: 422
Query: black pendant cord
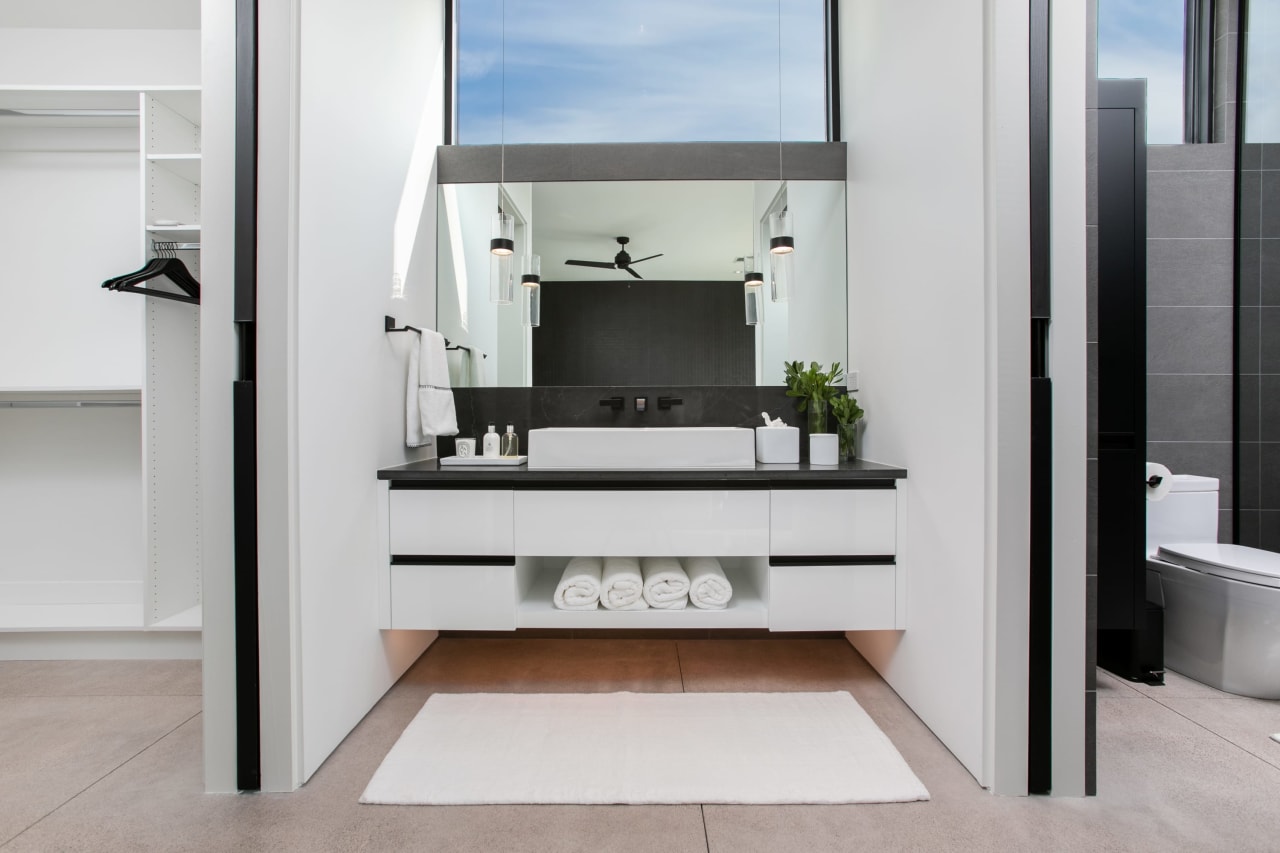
x: 244, y: 401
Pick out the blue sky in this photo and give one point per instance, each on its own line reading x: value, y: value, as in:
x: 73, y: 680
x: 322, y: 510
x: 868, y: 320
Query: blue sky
x: 1144, y: 38
x: 627, y: 71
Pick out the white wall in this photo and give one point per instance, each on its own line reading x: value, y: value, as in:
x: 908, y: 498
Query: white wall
x: 924, y: 334
x: 71, y: 488
x: 71, y: 218
x: 366, y: 75
x: 816, y: 328
x: 107, y: 58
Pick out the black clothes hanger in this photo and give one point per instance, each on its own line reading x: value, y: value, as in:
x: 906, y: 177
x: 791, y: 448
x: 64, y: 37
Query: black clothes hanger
x: 168, y: 267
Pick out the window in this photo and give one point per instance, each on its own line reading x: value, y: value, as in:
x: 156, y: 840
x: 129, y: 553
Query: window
x: 1146, y: 38
x: 652, y: 71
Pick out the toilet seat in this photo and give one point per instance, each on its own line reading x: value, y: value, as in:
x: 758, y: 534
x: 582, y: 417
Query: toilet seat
x: 1234, y: 562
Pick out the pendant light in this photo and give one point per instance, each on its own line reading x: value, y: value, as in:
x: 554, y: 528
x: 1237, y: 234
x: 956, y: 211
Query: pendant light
x: 782, y: 244
x: 502, y: 243
x: 531, y: 287
x: 752, y: 291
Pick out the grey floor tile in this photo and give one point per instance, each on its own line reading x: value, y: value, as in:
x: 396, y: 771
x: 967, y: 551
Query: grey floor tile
x: 55, y: 747
x: 1247, y: 723
x: 1113, y: 687
x: 1177, y: 686
x: 100, y: 678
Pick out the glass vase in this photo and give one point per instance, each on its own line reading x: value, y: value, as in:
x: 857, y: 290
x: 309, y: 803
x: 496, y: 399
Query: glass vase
x: 848, y: 441
x: 817, y: 416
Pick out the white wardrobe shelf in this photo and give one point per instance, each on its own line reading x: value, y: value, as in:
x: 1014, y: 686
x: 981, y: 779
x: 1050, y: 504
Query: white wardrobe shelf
x: 71, y: 617
x: 745, y: 610
x: 185, y: 166
x: 190, y: 619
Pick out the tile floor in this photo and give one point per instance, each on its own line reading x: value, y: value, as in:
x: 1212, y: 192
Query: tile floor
x: 105, y: 756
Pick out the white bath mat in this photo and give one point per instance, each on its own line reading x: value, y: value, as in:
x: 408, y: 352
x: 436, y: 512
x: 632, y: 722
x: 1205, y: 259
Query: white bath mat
x: 484, y: 748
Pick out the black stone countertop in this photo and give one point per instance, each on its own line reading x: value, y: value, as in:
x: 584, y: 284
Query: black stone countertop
x: 428, y: 473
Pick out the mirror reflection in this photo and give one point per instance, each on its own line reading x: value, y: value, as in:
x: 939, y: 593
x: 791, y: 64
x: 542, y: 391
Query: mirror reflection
x: 641, y: 282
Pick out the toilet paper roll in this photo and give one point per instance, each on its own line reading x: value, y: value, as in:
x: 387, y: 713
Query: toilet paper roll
x: 1162, y: 479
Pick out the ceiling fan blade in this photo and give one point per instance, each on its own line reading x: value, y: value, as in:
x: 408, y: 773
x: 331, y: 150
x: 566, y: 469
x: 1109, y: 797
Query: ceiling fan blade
x: 633, y: 272
x: 651, y: 257
x: 604, y: 265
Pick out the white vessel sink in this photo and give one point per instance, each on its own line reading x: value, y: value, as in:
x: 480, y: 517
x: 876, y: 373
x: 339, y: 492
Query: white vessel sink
x: 589, y: 448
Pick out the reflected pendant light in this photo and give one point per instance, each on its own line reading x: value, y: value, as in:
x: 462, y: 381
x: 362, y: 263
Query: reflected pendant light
x: 752, y: 290
x: 781, y: 256
x: 531, y: 287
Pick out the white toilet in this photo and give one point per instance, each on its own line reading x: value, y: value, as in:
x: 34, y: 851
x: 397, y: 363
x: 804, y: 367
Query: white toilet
x: 1221, y: 602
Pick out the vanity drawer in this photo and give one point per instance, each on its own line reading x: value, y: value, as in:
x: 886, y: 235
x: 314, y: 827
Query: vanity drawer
x: 451, y: 521
x: 450, y: 597
x: 833, y: 522
x: 707, y: 522
x: 833, y: 597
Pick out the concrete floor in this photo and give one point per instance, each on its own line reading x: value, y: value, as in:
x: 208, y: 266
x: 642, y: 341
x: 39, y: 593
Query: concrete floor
x: 105, y: 756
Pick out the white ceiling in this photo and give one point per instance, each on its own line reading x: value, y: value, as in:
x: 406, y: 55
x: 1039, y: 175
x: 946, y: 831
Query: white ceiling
x: 700, y: 227
x: 102, y: 14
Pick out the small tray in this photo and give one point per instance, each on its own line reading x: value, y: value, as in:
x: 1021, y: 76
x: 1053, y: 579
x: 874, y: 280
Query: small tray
x: 483, y: 461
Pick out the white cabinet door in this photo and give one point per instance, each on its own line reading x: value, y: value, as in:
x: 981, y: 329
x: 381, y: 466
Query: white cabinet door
x: 832, y: 522
x: 833, y: 598
x: 466, y: 522
x: 709, y: 522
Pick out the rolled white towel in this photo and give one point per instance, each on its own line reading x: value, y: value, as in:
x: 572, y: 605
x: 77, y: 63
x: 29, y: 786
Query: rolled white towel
x: 666, y: 586
x: 709, y: 589
x: 579, y: 587
x: 621, y: 587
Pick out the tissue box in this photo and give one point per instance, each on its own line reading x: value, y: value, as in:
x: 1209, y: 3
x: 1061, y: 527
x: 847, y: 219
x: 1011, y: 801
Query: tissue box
x: 778, y: 444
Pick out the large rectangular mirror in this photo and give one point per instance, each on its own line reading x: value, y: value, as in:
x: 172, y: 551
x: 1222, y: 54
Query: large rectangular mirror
x: 676, y: 311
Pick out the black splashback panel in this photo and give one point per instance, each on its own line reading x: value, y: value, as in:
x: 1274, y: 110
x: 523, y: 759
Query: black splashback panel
x: 635, y: 332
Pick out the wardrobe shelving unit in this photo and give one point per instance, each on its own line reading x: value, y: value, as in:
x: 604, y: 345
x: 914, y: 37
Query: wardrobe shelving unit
x: 140, y: 571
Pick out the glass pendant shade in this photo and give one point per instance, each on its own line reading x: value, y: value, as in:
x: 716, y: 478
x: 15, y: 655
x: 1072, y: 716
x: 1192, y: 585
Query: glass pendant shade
x: 502, y: 260
x: 781, y: 236
x: 752, y: 296
x: 782, y: 276
x: 531, y: 285
x: 503, y: 235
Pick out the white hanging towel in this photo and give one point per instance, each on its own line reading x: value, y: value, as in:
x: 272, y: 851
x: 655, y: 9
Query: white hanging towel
x: 428, y: 396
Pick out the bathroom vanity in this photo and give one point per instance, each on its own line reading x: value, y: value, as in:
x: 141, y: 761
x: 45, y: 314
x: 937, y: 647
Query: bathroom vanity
x: 806, y: 548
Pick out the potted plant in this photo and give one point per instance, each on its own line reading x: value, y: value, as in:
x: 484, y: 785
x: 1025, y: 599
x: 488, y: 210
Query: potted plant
x: 815, y: 388
x: 848, y: 413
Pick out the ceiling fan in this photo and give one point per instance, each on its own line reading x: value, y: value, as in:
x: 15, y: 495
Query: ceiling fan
x: 621, y: 261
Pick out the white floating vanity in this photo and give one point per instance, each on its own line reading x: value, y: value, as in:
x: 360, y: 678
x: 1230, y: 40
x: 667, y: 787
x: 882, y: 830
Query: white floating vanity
x: 482, y: 549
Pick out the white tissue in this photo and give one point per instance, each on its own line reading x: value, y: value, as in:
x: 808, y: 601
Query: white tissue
x: 776, y: 422
x: 1158, y: 492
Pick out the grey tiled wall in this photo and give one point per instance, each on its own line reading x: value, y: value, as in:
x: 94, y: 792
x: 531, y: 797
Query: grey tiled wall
x: 1259, y: 347
x: 1190, y: 305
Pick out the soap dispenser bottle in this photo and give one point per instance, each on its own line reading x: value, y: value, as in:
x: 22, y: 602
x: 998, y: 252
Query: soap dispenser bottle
x: 490, y: 446
x: 510, y: 442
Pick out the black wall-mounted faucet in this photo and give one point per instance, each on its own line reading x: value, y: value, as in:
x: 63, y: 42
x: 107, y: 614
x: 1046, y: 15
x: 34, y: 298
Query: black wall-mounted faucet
x: 615, y: 403
x: 668, y: 402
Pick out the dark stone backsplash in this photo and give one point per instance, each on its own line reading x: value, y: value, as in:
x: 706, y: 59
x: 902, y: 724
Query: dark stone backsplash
x: 557, y: 406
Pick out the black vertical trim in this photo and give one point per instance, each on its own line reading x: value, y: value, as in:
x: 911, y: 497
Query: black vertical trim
x: 1040, y: 558
x: 450, y: 77
x: 1242, y: 49
x: 833, y: 70
x: 244, y: 410
x: 1040, y: 593
x: 1039, y: 158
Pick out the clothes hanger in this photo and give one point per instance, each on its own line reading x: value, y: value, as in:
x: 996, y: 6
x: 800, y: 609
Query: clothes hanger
x: 169, y: 267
